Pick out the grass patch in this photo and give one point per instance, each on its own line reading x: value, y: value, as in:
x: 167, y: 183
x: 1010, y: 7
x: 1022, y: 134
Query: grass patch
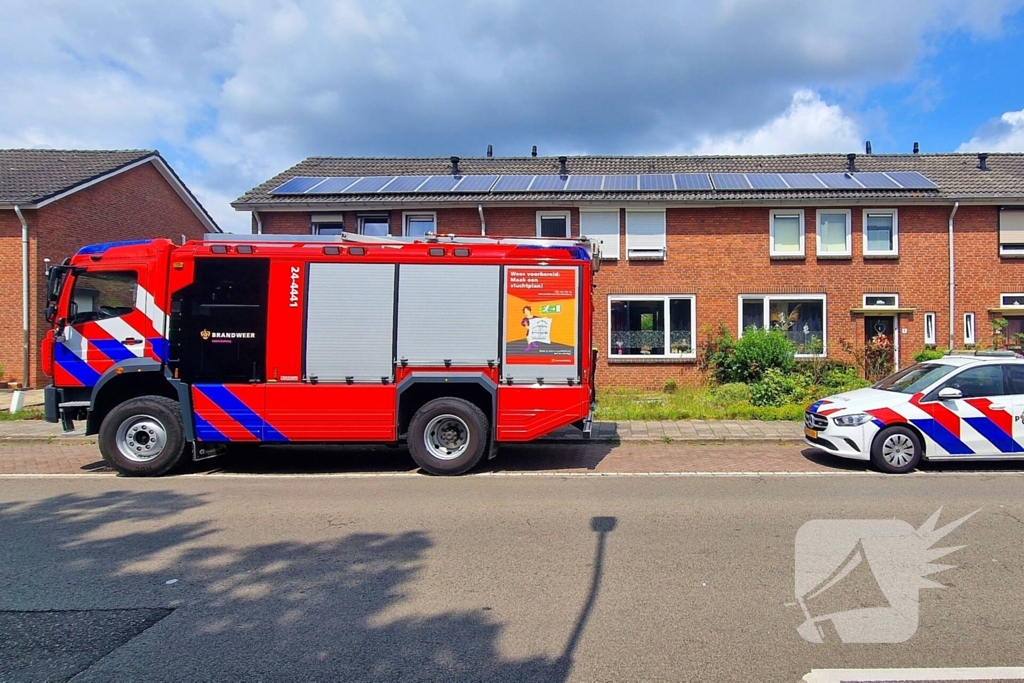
x: 688, y: 403
x: 27, y: 414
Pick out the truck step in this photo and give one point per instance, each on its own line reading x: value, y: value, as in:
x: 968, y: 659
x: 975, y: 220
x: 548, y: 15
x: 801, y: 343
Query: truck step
x: 74, y: 404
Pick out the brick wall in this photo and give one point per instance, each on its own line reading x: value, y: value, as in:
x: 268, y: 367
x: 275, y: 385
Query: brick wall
x: 716, y: 254
x: 135, y: 204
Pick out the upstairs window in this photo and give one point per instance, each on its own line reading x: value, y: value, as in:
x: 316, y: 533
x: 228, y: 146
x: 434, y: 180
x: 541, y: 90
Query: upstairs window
x: 786, y: 234
x: 553, y: 224
x: 328, y: 224
x: 645, y: 235
x: 833, y: 233
x: 602, y: 226
x: 376, y: 226
x: 1011, y: 232
x: 419, y: 224
x: 880, y: 233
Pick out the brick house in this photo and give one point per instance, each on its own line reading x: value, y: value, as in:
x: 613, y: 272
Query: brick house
x: 69, y: 199
x: 836, y: 248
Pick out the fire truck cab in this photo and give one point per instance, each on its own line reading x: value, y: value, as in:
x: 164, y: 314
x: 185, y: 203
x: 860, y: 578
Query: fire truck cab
x: 449, y: 344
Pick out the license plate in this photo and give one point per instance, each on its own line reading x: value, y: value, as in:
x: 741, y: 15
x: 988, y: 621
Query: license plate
x: 810, y: 433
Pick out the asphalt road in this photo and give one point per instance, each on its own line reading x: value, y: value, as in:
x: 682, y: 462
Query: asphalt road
x: 485, y: 578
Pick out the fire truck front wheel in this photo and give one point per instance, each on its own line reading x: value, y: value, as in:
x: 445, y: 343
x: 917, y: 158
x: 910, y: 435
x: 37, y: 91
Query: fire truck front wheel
x: 448, y: 436
x: 143, y: 437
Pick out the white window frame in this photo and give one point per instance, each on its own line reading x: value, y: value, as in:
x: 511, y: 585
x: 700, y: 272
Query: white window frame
x: 1016, y: 247
x: 606, y: 254
x: 929, y: 322
x: 970, y: 329
x: 328, y: 220
x: 664, y: 298
x: 868, y: 304
x: 567, y: 215
x: 406, y: 215
x: 362, y: 218
x: 767, y: 299
x: 846, y: 253
x: 895, y: 251
x: 786, y: 213
x: 647, y: 249
x: 1016, y: 295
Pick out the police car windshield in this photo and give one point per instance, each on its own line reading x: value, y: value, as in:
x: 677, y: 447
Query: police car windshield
x: 915, y: 378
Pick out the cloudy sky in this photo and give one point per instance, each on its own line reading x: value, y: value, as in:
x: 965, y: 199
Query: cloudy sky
x: 234, y: 91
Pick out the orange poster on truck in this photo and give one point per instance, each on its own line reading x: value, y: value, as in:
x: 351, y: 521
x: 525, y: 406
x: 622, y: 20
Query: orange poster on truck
x: 540, y: 316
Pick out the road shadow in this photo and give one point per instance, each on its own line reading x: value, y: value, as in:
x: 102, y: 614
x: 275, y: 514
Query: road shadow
x: 975, y: 466
x: 275, y: 611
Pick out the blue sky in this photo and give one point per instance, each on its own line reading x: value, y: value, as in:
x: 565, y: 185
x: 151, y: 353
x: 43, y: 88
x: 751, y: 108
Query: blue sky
x: 234, y: 91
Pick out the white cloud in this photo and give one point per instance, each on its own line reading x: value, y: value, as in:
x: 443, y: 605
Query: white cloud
x: 1006, y: 134
x: 808, y: 125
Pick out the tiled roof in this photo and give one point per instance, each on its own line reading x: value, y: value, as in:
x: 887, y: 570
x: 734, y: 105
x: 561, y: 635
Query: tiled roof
x: 28, y: 176
x: 958, y: 176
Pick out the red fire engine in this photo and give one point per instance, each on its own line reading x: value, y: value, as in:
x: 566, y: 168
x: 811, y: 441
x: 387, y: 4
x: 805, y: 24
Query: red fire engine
x: 450, y: 344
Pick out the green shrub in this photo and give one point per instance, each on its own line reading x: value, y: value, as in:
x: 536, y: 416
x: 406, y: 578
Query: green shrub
x: 777, y: 388
x: 734, y: 392
x: 927, y: 354
x: 670, y: 387
x: 758, y: 351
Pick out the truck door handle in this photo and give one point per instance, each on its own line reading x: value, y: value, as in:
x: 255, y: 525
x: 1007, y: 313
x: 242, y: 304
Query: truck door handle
x: 131, y: 341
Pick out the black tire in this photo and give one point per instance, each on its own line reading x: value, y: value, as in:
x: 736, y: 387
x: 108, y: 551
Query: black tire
x: 453, y: 423
x: 903, y: 447
x: 137, y: 426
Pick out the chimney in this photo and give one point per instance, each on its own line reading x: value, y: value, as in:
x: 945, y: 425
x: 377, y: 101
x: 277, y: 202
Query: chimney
x: 867, y: 147
x: 982, y: 158
x: 455, y: 166
x: 851, y: 162
x: 490, y: 151
x: 917, y: 148
x: 533, y: 153
x: 563, y: 170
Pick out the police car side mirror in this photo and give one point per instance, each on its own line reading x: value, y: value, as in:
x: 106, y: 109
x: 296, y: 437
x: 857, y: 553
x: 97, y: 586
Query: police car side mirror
x: 950, y: 392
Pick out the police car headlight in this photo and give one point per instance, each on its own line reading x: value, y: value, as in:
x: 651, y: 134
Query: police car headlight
x: 854, y: 420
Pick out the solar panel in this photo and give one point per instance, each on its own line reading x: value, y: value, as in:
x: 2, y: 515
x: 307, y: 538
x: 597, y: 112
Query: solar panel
x: 584, y: 182
x: 543, y: 183
x: 912, y: 180
x: 839, y: 181
x: 512, y: 183
x: 802, y: 181
x: 876, y: 181
x: 440, y: 183
x: 730, y: 181
x: 297, y: 185
x: 620, y: 182
x: 405, y: 183
x: 476, y: 183
x: 369, y: 184
x: 332, y: 185
x: 767, y: 181
x: 693, y: 181
x: 656, y: 181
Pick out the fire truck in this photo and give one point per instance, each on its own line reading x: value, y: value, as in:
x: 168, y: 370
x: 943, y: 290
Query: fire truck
x: 452, y: 345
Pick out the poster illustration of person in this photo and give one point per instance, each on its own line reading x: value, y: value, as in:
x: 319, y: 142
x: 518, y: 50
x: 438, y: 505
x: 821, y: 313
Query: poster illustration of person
x: 540, y: 324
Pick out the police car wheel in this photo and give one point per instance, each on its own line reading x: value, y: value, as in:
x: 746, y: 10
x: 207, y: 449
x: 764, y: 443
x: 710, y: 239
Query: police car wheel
x: 896, y: 450
x: 143, y: 437
x: 448, y: 436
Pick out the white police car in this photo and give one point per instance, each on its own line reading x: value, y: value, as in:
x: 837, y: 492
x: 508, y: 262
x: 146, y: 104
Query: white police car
x: 959, y: 407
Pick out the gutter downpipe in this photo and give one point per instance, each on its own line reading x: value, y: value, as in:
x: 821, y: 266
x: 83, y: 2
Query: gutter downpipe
x: 952, y: 274
x: 259, y: 222
x: 24, y: 296
x: 483, y: 225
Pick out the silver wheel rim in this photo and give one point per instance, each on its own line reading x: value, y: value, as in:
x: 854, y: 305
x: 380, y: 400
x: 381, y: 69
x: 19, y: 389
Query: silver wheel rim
x: 446, y: 437
x: 141, y: 438
x: 898, y: 450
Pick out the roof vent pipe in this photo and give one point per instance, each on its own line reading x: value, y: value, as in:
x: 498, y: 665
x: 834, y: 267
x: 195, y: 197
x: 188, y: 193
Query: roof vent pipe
x: 490, y: 151
x: 867, y: 147
x: 917, y: 148
x: 455, y: 166
x: 982, y: 158
x: 851, y: 162
x: 533, y: 152
x: 562, y: 168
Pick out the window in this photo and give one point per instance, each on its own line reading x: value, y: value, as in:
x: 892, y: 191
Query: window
x: 419, y: 224
x: 328, y: 224
x: 983, y: 380
x: 917, y: 377
x: 968, y: 328
x: 553, y: 224
x: 1011, y: 232
x: 659, y: 326
x: 801, y: 317
x: 1014, y: 379
x: 786, y: 235
x: 645, y: 235
x: 881, y: 300
x: 376, y: 226
x: 1012, y: 301
x: 604, y: 227
x: 880, y: 233
x: 100, y: 295
x: 929, y: 328
x: 833, y: 233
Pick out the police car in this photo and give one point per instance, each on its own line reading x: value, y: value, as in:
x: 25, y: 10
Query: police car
x: 959, y: 407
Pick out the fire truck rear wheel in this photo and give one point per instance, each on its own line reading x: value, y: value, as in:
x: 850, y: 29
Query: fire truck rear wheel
x: 448, y: 436
x: 143, y: 437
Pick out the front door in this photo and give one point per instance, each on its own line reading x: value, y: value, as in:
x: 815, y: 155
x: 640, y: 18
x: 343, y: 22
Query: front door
x: 880, y: 358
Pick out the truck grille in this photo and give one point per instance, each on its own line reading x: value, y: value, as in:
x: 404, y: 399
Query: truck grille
x: 815, y: 421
